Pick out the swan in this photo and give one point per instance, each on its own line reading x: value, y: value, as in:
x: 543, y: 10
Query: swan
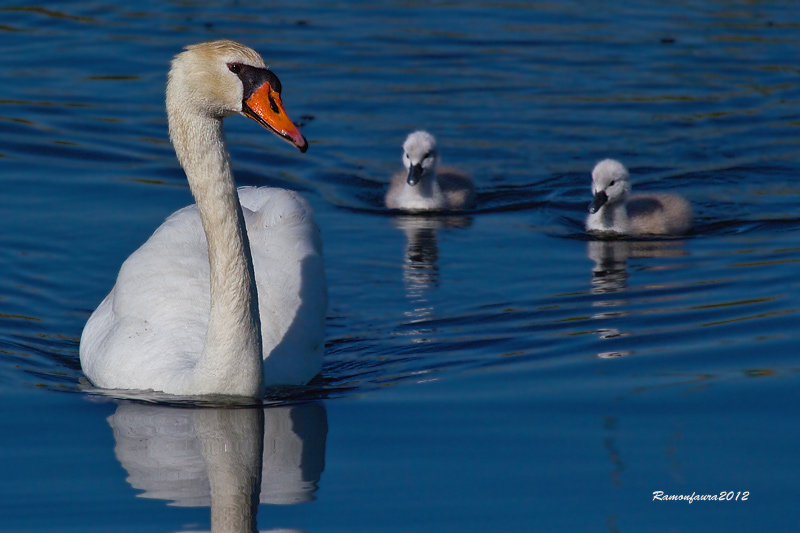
x: 422, y: 185
x: 614, y: 209
x: 206, y: 306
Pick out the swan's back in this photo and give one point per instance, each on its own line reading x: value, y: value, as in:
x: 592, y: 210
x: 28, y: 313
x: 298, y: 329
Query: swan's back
x: 150, y: 330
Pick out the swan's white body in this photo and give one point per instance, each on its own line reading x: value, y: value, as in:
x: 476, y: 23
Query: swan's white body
x: 615, y: 210
x: 205, y: 306
x: 150, y: 330
x: 423, y: 186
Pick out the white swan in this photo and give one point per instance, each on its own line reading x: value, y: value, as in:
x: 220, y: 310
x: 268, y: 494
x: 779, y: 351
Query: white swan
x: 205, y: 306
x: 613, y: 209
x: 423, y: 186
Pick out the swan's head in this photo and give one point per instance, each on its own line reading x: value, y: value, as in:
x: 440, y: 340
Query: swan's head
x: 419, y: 156
x: 221, y: 78
x: 609, y: 184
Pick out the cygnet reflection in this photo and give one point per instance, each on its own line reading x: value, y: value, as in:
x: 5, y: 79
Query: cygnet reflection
x: 610, y: 276
x: 230, y: 459
x: 610, y: 273
x: 421, y: 264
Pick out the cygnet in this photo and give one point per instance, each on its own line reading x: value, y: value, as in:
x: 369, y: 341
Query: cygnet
x: 423, y: 186
x: 614, y: 209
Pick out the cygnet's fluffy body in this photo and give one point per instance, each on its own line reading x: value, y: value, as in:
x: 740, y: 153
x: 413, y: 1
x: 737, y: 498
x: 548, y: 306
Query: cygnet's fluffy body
x: 615, y: 209
x: 423, y: 185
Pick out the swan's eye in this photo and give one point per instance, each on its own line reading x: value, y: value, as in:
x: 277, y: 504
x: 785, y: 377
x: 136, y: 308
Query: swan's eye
x: 612, y: 183
x: 236, y: 68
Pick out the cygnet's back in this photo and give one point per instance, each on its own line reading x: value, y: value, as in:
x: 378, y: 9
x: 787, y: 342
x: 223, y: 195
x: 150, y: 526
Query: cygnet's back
x: 614, y: 209
x: 425, y: 186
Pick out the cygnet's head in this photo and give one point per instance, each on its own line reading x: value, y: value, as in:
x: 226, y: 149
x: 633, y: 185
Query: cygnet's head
x: 221, y: 78
x: 609, y: 184
x: 419, y: 156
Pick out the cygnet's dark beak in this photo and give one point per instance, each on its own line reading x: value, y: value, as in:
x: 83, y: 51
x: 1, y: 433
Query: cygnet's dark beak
x: 598, y: 201
x: 414, y: 174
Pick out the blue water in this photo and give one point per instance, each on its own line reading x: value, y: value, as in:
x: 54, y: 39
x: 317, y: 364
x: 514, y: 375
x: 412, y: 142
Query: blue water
x: 494, y: 371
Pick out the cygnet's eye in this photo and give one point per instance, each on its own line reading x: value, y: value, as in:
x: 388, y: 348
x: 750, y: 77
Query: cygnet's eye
x: 236, y: 68
x: 612, y: 183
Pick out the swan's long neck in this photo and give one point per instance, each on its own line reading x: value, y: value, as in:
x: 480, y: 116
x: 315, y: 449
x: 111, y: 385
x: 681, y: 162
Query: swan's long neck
x: 231, y: 362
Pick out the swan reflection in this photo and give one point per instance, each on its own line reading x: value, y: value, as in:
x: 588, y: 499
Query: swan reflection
x: 230, y: 459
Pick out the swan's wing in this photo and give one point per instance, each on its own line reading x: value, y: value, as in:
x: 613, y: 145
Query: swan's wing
x: 150, y: 330
x: 457, y: 188
x: 659, y: 213
x: 292, y: 293
x: 643, y: 206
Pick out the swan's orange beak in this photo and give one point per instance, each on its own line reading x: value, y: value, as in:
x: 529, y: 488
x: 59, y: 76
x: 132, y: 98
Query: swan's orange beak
x: 265, y: 107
